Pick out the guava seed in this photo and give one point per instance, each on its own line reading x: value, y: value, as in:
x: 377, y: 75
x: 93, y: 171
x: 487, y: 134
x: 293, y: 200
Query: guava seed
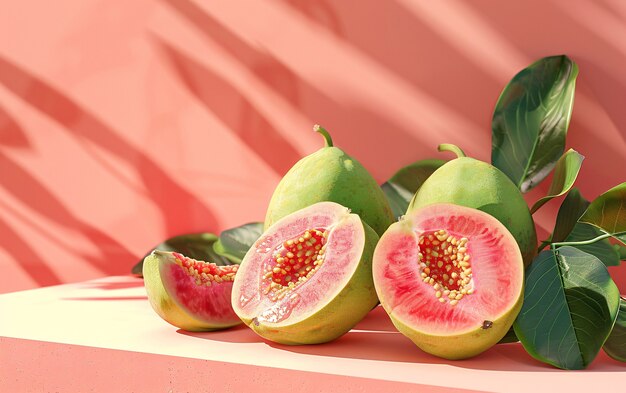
x: 294, y: 262
x: 444, y: 263
x: 205, y: 273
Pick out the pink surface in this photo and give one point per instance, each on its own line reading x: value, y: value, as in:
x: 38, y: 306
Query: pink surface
x: 97, y: 369
x: 123, y: 123
x: 102, y: 335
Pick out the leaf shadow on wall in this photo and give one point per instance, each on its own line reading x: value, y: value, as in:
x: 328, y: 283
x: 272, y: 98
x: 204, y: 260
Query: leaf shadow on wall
x: 610, y: 94
x: 11, y: 134
x: 368, y: 131
x: 29, y: 260
x: 602, y: 22
x: 233, y: 109
x: 84, y: 126
x: 408, y: 48
x: 445, y: 74
x: 604, y: 80
x: 600, y: 67
x: 458, y: 90
x: 25, y: 187
x: 320, y: 11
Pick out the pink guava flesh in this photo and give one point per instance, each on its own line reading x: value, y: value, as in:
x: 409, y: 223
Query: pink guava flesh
x: 200, y: 288
x: 483, y: 270
x: 295, y: 268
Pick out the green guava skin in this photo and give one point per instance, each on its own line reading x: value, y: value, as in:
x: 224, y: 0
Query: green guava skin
x: 472, y: 183
x: 464, y: 345
x: 338, y: 316
x: 331, y: 175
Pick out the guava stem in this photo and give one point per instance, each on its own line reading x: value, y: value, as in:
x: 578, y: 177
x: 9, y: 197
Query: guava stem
x: 453, y: 148
x: 590, y: 241
x: 325, y: 134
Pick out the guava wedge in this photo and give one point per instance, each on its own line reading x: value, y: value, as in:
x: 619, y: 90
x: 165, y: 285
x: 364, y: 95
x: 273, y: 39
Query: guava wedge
x: 330, y: 174
x: 472, y: 183
x: 451, y: 279
x: 189, y: 294
x: 308, y: 278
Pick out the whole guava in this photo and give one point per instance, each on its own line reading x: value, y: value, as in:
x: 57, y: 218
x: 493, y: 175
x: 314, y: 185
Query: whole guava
x: 330, y: 175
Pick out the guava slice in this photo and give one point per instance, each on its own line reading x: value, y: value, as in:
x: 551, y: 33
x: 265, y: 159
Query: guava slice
x: 451, y: 279
x: 308, y: 278
x: 189, y: 294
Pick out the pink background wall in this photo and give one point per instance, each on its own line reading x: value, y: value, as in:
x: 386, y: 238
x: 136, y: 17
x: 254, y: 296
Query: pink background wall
x: 123, y: 123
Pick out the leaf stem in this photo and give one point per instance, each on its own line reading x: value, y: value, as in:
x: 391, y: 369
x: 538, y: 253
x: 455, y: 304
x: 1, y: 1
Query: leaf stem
x: 583, y: 242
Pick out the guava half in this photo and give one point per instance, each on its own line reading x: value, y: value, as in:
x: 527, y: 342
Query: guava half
x: 189, y: 294
x: 308, y: 278
x: 451, y: 279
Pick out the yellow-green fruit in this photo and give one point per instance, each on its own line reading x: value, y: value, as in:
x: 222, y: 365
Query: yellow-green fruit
x: 330, y: 175
x: 472, y: 183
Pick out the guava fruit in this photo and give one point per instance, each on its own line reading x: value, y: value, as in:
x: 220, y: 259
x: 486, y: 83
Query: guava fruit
x: 189, y: 294
x: 472, y: 183
x: 451, y: 279
x: 308, y: 278
x: 330, y: 175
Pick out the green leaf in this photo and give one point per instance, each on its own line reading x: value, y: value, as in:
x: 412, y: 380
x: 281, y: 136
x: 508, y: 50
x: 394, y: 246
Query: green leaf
x: 565, y: 173
x: 608, y: 212
x: 405, y: 183
x: 621, y: 251
x: 615, y: 345
x: 601, y: 249
x: 398, y: 198
x: 570, y: 306
x: 234, y: 243
x: 509, y: 337
x: 531, y: 118
x: 198, y: 246
x: 572, y: 208
x: 568, y: 229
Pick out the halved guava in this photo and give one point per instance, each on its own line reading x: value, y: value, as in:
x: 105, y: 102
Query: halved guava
x: 451, y: 279
x: 189, y: 294
x: 308, y: 278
